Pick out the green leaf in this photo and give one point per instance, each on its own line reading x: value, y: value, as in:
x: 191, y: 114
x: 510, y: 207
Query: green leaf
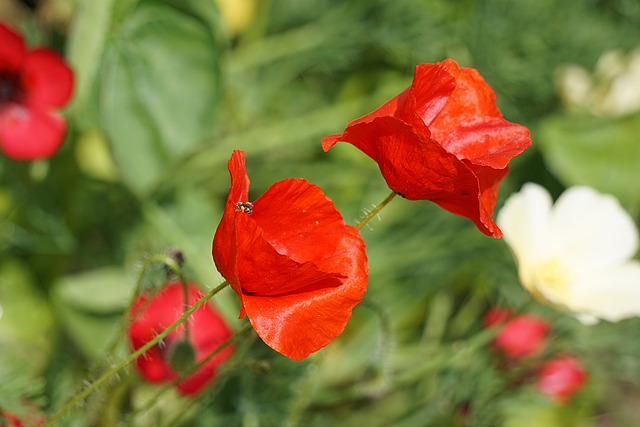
x: 601, y: 153
x: 90, y: 305
x: 160, y: 87
x: 86, y: 44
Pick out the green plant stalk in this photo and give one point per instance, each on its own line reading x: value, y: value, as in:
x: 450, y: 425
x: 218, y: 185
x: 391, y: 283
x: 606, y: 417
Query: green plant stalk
x: 375, y: 211
x: 133, y: 356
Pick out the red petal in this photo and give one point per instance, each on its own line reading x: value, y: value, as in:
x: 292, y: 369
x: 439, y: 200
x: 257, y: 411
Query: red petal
x: 47, y: 79
x: 261, y: 270
x: 298, y: 220
x: 30, y: 133
x: 492, y: 142
x: 298, y: 324
x: 12, y: 49
x: 431, y: 87
x: 224, y: 241
x: 471, y: 126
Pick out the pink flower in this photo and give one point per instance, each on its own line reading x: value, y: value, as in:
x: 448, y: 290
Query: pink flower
x: 561, y: 378
x: 34, y: 84
x: 522, y: 337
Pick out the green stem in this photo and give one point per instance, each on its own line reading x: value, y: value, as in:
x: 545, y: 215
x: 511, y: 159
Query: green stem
x: 375, y: 211
x: 148, y: 261
x: 133, y: 356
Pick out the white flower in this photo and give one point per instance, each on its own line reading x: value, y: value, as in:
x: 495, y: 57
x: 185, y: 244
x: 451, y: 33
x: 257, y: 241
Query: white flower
x: 575, y: 254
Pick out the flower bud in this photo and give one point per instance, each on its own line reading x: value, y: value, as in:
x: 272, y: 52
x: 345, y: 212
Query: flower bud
x: 522, y: 337
x: 182, y: 356
x: 561, y: 378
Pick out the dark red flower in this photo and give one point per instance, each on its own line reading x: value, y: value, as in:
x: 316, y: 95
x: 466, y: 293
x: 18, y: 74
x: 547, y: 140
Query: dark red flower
x: 561, y: 378
x: 33, y: 85
x: 522, y: 337
x: 297, y: 267
x: 207, y: 330
x: 443, y: 139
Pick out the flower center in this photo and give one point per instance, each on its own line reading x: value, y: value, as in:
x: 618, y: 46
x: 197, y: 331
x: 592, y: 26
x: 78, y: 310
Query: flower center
x: 552, y: 278
x: 10, y: 89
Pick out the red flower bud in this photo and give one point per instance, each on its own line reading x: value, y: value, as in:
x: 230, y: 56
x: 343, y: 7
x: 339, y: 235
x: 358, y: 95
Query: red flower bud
x: 522, y: 337
x: 165, y: 362
x: 561, y: 378
x: 297, y: 267
x: 34, y: 84
x: 443, y: 139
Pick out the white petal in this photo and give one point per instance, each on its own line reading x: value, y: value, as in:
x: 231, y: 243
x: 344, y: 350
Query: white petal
x: 524, y: 221
x: 591, y: 230
x: 613, y: 294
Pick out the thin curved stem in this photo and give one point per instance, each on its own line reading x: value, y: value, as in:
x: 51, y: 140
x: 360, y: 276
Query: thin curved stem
x: 133, y: 356
x: 375, y: 211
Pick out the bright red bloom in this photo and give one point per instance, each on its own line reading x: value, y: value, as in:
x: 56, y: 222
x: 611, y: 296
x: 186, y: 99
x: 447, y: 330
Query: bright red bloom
x: 297, y: 267
x: 33, y: 85
x: 561, y: 378
x: 443, y: 139
x: 207, y: 331
x: 522, y: 337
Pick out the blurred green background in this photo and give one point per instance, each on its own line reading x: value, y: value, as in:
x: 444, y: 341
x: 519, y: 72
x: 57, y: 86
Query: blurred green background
x: 166, y: 89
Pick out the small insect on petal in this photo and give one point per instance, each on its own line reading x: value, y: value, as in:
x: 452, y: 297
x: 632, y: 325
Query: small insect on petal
x: 245, y: 207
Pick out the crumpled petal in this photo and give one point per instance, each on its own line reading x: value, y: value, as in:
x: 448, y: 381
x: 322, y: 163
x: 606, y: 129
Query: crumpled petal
x: 317, y: 316
x: 30, y: 133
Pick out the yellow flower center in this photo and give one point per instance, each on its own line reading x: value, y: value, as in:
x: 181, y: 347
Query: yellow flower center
x: 550, y: 280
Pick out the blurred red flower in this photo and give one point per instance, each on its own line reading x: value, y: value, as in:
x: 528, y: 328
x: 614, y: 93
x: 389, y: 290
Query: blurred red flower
x: 33, y: 85
x: 443, y: 139
x: 496, y: 316
x: 522, y: 337
x: 207, y: 330
x: 297, y: 267
x: 561, y: 378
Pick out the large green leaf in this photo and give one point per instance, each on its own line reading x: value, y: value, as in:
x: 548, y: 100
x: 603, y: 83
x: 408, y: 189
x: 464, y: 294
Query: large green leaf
x: 90, y: 304
x: 159, y: 90
x: 604, y: 154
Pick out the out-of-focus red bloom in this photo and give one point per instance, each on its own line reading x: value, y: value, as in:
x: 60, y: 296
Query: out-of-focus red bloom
x: 561, y: 378
x: 522, y: 337
x: 297, y: 267
x: 33, y: 85
x: 207, y: 330
x: 496, y: 316
x: 443, y: 139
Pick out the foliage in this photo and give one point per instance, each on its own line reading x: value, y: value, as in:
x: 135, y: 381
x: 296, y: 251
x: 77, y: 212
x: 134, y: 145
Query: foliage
x: 165, y: 92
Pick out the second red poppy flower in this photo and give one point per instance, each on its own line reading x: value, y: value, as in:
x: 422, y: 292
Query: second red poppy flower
x: 443, y: 139
x: 297, y: 267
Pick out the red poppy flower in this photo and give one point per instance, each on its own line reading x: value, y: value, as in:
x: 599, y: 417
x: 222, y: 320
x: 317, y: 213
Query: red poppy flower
x: 561, y: 378
x: 443, y: 139
x: 297, y: 267
x: 33, y: 85
x: 522, y: 337
x: 207, y: 330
